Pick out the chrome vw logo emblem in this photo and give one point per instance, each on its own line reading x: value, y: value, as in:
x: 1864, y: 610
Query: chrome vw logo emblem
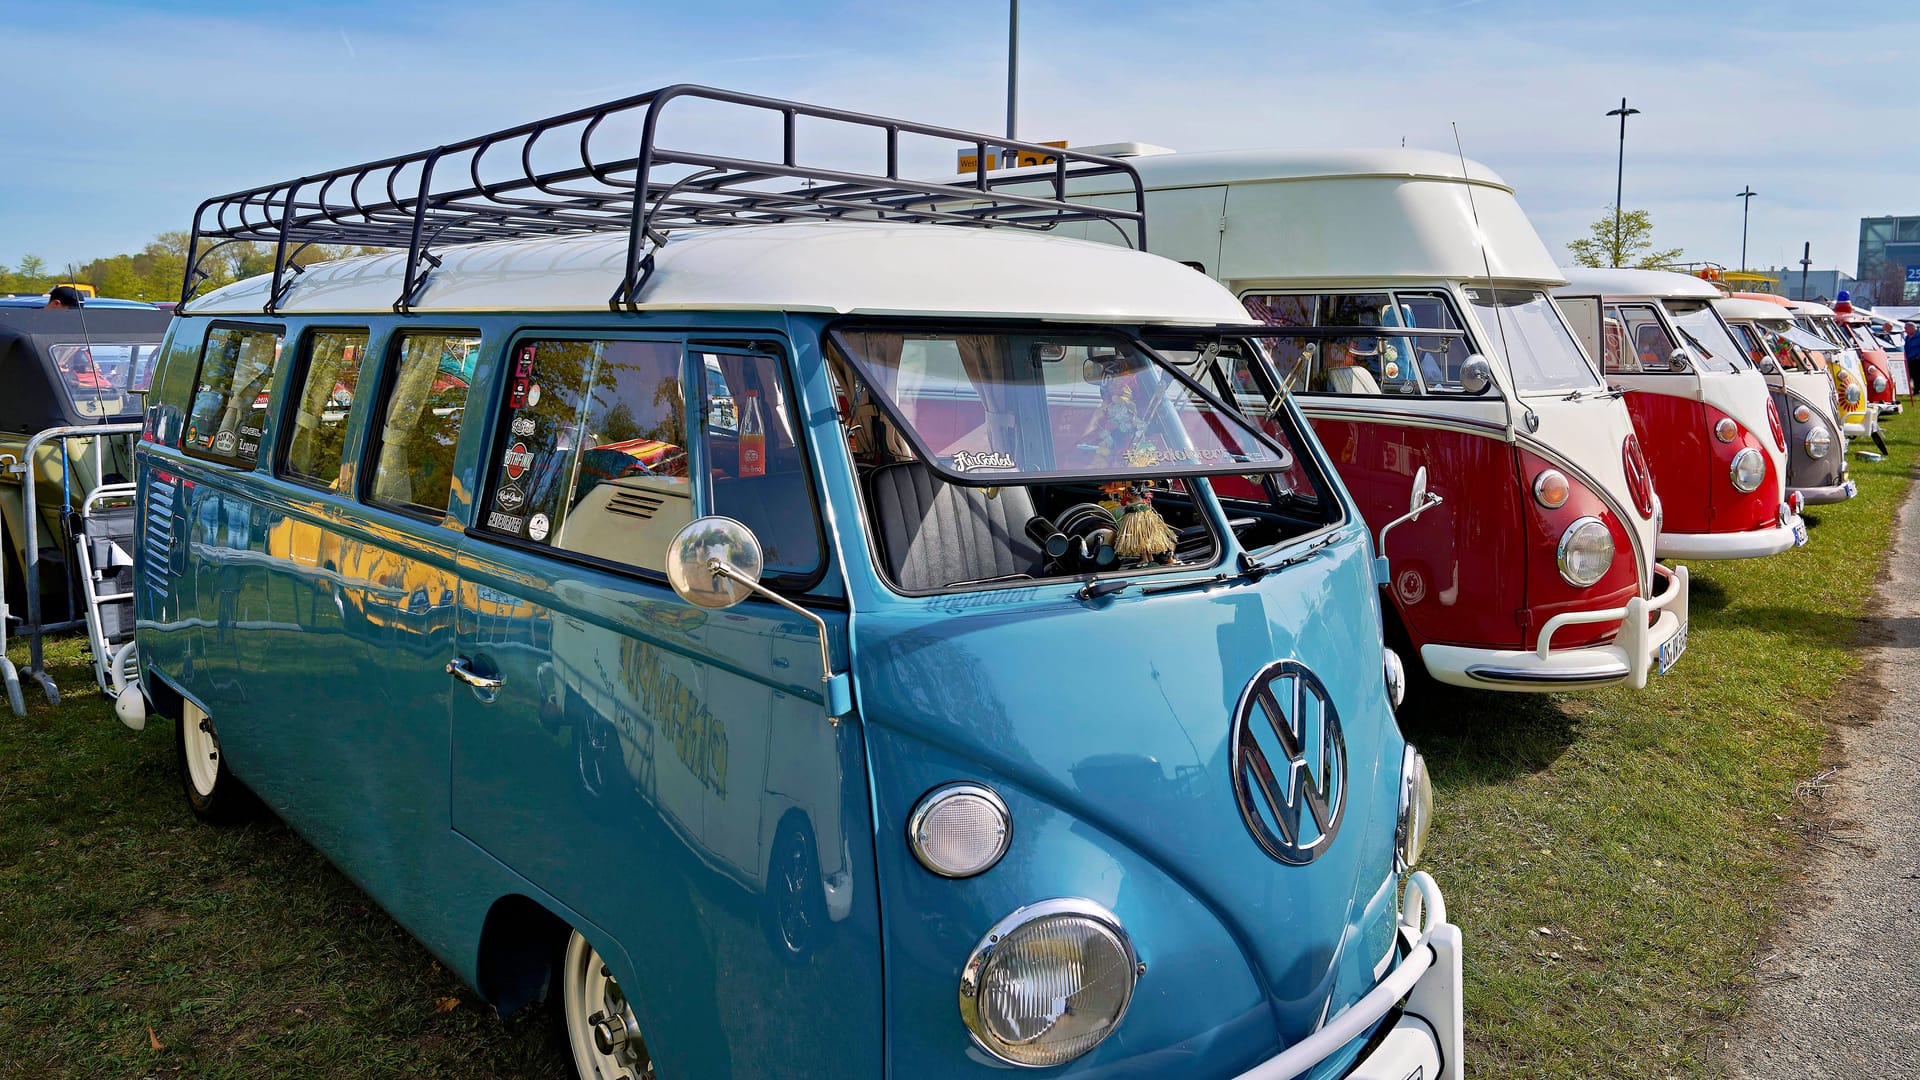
x: 1289, y: 763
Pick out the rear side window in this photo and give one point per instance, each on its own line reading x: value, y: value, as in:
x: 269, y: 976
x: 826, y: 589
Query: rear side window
x: 228, y: 414
x: 1374, y: 360
x: 753, y: 455
x: 592, y: 457
x: 322, y: 398
x: 420, y: 421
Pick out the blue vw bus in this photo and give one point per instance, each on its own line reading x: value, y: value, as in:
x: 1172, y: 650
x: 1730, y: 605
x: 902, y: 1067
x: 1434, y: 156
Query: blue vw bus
x: 792, y: 625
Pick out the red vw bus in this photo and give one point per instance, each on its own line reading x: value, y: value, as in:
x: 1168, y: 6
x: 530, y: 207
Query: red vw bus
x: 1702, y: 410
x: 1412, y: 323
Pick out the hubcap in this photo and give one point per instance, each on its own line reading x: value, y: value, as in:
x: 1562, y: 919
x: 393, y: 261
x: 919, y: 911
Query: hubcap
x: 601, y: 1027
x: 203, y: 748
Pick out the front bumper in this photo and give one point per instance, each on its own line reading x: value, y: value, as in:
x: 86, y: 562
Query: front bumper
x: 1752, y: 544
x: 1426, y: 989
x: 1889, y: 408
x: 1634, y: 651
x: 1840, y: 492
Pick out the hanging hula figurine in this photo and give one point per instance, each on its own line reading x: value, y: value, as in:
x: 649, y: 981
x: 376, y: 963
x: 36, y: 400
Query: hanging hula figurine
x: 1120, y: 434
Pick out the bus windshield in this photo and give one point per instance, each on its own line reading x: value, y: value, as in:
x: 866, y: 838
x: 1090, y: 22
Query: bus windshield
x: 1540, y: 352
x: 1707, y: 335
x: 101, y: 378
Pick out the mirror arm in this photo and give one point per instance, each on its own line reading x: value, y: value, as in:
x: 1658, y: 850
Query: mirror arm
x: 1380, y: 572
x: 837, y: 689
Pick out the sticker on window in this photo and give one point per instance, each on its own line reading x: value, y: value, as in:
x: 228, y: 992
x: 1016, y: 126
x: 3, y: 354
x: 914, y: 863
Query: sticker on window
x: 977, y: 461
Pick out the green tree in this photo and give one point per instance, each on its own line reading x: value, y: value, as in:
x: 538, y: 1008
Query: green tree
x: 1631, y: 245
x: 31, y: 275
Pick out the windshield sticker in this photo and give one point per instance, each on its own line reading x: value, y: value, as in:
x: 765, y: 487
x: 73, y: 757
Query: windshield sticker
x: 523, y: 427
x: 537, y: 526
x: 223, y: 442
x: 509, y: 498
x: 533, y: 396
x: 507, y: 523
x: 977, y: 461
x: 518, y: 459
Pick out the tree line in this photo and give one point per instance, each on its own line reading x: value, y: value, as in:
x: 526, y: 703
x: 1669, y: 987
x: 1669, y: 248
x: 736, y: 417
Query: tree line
x: 154, y: 272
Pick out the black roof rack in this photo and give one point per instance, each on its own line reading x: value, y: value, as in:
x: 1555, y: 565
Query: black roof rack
x: 489, y: 188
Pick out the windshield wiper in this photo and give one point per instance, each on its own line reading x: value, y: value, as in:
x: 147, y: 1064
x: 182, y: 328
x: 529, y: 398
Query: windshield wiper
x: 1253, y: 569
x: 1095, y: 588
x: 1609, y: 392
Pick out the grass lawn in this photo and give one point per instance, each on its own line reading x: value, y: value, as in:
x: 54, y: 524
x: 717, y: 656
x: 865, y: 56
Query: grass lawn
x: 1612, y: 856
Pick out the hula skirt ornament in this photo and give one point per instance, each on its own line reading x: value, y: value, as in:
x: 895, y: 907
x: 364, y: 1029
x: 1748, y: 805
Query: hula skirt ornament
x: 1143, y: 533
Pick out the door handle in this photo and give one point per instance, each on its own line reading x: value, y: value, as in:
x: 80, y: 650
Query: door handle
x: 459, y: 668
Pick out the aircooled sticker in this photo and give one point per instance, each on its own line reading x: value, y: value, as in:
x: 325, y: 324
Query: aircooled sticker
x: 509, y: 498
x: 537, y: 526
x: 970, y: 461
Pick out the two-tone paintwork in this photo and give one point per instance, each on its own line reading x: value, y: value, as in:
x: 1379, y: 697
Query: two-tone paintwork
x: 1475, y: 582
x: 649, y: 771
x: 1677, y: 411
x: 1803, y: 397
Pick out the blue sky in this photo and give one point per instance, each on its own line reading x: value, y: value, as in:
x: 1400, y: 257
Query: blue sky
x: 121, y: 117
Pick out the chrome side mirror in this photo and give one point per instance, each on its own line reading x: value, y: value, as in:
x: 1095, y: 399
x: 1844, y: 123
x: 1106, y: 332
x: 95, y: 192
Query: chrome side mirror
x: 1418, y: 503
x: 1476, y: 374
x: 714, y: 562
x: 1679, y: 359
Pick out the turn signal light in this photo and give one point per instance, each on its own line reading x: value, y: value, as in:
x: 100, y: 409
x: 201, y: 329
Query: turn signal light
x: 1802, y: 414
x: 1550, y: 489
x: 1726, y: 430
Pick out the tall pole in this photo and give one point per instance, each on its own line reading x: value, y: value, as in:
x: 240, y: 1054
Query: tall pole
x: 1620, y: 173
x: 1806, y: 260
x: 1013, y: 63
x: 1746, y: 203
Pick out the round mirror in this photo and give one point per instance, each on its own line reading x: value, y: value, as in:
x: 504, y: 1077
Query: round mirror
x: 1679, y: 359
x: 702, y: 542
x: 1419, y: 500
x: 1476, y: 374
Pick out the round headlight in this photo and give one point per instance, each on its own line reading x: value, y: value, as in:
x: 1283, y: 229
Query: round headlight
x: 1853, y: 393
x: 1819, y: 440
x: 1802, y: 413
x: 1879, y: 384
x: 1586, y: 551
x: 1048, y: 982
x: 959, y: 830
x: 1416, y: 808
x: 1748, y: 469
x: 1550, y: 489
x: 1726, y: 430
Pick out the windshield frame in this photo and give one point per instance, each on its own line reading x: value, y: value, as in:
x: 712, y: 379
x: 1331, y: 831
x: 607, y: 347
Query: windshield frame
x: 84, y: 400
x: 833, y: 336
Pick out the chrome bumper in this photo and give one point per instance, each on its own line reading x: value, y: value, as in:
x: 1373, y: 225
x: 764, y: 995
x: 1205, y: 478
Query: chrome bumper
x: 1627, y: 659
x: 1840, y: 492
x: 1426, y: 987
x: 1752, y: 544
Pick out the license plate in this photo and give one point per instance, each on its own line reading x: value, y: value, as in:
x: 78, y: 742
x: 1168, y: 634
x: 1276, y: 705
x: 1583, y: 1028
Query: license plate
x: 1670, y: 652
x: 1799, y: 534
x: 1852, y: 489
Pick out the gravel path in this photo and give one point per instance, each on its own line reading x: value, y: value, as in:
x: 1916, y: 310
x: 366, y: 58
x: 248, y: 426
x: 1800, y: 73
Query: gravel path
x: 1840, y: 996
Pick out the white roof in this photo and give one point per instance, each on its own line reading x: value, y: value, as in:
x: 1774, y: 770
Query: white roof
x: 1808, y: 307
x: 1163, y: 169
x: 1731, y: 308
x: 1666, y: 284
x: 847, y: 267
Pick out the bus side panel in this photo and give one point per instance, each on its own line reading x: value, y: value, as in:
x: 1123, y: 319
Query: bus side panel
x: 1673, y: 436
x: 1452, y: 577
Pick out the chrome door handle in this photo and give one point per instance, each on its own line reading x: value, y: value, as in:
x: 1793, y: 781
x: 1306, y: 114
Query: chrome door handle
x: 459, y: 669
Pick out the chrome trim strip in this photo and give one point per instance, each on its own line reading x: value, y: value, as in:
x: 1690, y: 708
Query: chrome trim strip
x: 1313, y: 410
x: 1599, y: 673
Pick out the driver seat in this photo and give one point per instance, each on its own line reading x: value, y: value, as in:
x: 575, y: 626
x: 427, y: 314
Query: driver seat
x: 933, y: 533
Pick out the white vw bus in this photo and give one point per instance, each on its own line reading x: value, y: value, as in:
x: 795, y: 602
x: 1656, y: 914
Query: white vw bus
x: 1410, y: 315
x: 1706, y: 419
x: 1803, y: 395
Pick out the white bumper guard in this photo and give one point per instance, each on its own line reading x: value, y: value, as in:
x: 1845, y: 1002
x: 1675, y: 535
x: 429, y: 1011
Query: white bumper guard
x: 1427, y: 1039
x: 1752, y: 544
x: 1636, y: 650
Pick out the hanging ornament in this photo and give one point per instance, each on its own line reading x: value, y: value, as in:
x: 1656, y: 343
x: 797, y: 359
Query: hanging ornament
x: 1143, y: 533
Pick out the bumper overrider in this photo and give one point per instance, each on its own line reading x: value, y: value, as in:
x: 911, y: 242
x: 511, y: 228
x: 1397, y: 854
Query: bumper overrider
x: 1752, y: 544
x: 1420, y: 1000
x: 1634, y: 651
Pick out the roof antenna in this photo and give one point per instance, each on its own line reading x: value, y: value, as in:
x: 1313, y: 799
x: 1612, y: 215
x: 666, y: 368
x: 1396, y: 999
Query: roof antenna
x: 86, y: 340
x: 1493, y: 296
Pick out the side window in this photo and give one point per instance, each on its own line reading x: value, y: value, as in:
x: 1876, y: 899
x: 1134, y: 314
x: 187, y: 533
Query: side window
x: 592, y: 457
x: 752, y: 442
x: 322, y: 398
x: 229, y: 407
x: 1618, y: 357
x: 1647, y: 340
x: 425, y: 401
x: 1435, y: 358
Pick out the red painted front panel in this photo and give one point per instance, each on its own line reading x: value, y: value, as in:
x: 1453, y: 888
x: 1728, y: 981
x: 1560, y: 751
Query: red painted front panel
x: 1874, y: 362
x: 1733, y: 511
x: 1548, y: 593
x: 1673, y: 436
x: 1454, y: 572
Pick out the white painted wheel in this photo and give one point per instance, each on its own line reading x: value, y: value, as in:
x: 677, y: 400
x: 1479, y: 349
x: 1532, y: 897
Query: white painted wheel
x: 600, y: 1026
x: 202, y: 749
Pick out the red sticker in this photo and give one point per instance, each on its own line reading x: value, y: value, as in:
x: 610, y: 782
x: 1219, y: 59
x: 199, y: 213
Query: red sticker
x: 517, y: 460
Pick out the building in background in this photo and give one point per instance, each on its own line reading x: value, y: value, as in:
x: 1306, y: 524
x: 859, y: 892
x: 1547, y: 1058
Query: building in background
x: 1889, y: 270
x: 1820, y: 285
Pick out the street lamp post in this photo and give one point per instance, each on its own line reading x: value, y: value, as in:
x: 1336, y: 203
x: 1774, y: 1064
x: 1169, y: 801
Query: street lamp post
x: 1746, y: 203
x: 1013, y: 62
x: 1620, y: 173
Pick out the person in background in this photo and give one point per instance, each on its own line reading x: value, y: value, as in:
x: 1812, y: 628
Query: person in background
x: 64, y: 298
x: 1912, y: 352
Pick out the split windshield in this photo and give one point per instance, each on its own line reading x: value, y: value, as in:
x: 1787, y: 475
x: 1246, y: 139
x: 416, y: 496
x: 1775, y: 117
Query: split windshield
x: 1523, y: 325
x: 1707, y: 336
x: 101, y: 379
x: 980, y: 407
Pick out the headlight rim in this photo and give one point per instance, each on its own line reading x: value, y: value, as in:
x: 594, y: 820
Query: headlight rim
x: 1409, y: 842
x: 1747, y: 454
x: 1726, y: 429
x: 1566, y: 540
x: 932, y: 799
x: 1826, y: 442
x: 973, y: 973
x: 1542, y: 480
